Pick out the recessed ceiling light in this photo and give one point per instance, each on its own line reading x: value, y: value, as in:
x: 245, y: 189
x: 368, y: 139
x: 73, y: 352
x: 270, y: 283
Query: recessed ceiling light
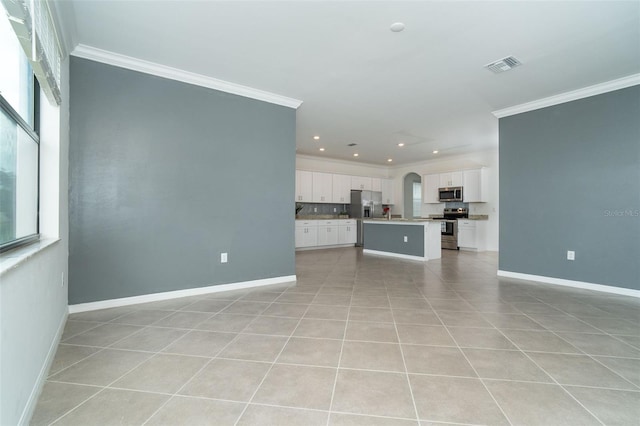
x: 396, y: 27
x: 316, y: 137
x: 435, y: 151
x: 355, y: 154
x: 401, y: 144
x: 321, y: 149
x: 389, y: 159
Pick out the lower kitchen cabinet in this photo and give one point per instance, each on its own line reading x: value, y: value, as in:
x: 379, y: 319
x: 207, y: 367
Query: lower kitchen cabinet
x: 472, y: 234
x: 325, y: 233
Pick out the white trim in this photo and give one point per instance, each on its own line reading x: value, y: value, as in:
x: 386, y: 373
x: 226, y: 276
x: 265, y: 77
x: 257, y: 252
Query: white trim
x: 570, y: 283
x: 398, y: 255
x: 135, y: 64
x: 325, y: 247
x: 30, y: 406
x: 155, y: 297
x: 585, y: 92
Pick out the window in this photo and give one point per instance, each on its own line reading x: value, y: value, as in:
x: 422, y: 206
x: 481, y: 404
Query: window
x: 417, y: 199
x: 19, y: 143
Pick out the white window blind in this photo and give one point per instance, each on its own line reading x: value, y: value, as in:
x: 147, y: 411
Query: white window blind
x: 31, y: 20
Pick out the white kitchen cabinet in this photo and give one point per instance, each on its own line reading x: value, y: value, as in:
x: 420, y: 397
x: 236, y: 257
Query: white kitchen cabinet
x: 327, y: 232
x: 472, y: 234
x: 450, y: 179
x: 347, y: 232
x: 360, y: 182
x: 322, y: 188
x: 430, y: 185
x: 387, y: 191
x: 376, y: 184
x: 306, y: 233
x: 474, y: 184
x: 341, y: 189
x: 304, y: 186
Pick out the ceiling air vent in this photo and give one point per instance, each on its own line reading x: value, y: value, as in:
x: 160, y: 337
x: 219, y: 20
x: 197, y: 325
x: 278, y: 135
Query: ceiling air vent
x: 503, y: 65
x: 352, y: 144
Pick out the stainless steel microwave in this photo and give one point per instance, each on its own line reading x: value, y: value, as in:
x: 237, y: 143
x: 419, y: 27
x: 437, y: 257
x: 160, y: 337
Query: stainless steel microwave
x: 450, y: 194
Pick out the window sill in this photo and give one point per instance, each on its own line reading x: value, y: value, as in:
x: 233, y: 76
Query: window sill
x: 13, y: 258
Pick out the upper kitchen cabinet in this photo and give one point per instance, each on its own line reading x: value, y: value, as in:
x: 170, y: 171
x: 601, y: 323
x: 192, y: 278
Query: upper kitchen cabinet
x: 322, y: 187
x: 474, y: 184
x: 386, y: 185
x: 376, y: 184
x: 304, y: 186
x: 430, y: 185
x: 341, y: 189
x: 360, y: 182
x: 450, y: 179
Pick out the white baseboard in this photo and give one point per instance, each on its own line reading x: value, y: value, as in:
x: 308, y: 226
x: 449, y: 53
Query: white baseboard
x: 30, y: 406
x: 396, y: 255
x: 570, y: 283
x: 156, y: 297
x: 324, y: 247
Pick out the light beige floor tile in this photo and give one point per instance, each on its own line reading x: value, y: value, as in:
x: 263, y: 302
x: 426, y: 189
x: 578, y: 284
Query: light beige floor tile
x: 614, y: 325
x: 102, y: 368
x: 162, y: 373
x: 72, y: 328
x: 629, y: 368
x: 455, y: 400
x: 168, y: 305
x: 371, y: 331
x: 187, y: 411
x: 141, y: 317
x: 279, y: 326
x: 332, y: 300
x: 103, y: 335
x: 600, y: 344
x: 372, y: 356
x: 102, y: 315
x: 539, y: 404
x: 318, y: 352
x: 515, y: 321
x: 207, y: 305
x: 564, y: 323
x: 183, y: 319
x: 327, y: 312
x: 200, y: 343
x: 413, y: 316
x: 227, y: 379
x: 67, y: 355
x: 280, y: 416
x: 507, y: 365
x: 255, y: 347
x: 435, y: 335
x: 464, y: 319
x: 541, y: 341
x: 261, y: 296
x: 289, y: 310
x: 409, y: 303
x: 338, y: 419
x: 482, y: 338
x: 296, y: 298
x: 612, y: 407
x: 297, y: 386
x: 329, y: 329
x: 436, y: 360
x: 58, y: 398
x: 150, y: 339
x: 358, y: 313
x: 231, y: 323
x: 373, y: 393
x: 579, y: 370
x: 370, y: 301
x: 112, y: 406
x: 246, y: 307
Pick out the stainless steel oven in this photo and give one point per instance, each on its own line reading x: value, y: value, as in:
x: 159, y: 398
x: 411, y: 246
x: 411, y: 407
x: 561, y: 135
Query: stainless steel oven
x: 449, y: 226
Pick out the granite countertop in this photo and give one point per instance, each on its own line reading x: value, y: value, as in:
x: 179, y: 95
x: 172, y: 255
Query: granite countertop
x: 320, y: 217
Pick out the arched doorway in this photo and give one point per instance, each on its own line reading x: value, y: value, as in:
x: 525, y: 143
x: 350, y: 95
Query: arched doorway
x: 412, y: 195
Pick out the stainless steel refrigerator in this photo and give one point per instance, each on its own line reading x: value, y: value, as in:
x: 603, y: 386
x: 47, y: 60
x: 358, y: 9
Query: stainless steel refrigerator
x: 365, y: 204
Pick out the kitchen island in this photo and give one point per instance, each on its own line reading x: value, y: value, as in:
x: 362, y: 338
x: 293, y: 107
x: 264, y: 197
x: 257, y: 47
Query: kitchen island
x: 418, y: 239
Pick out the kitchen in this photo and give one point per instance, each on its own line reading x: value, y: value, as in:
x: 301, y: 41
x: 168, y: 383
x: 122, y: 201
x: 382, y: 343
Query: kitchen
x: 323, y: 204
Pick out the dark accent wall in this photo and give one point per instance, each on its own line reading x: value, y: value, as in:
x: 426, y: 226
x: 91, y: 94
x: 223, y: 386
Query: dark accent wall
x: 570, y: 180
x: 387, y: 237
x: 165, y: 176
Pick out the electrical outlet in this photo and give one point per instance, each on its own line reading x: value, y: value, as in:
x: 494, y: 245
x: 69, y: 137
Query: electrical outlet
x: 315, y: 210
x: 406, y: 239
x: 62, y: 281
x: 223, y: 257
x: 571, y: 255
x: 335, y: 210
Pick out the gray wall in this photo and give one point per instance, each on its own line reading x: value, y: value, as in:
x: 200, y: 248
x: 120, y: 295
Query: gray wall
x: 164, y: 176
x: 386, y: 237
x: 570, y: 180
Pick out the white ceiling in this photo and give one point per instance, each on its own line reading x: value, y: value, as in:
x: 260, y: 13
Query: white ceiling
x: 360, y: 82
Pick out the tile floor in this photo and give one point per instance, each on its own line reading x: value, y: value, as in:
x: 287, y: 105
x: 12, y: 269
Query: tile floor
x: 360, y: 340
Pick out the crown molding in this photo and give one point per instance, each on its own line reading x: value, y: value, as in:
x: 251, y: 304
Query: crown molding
x: 342, y: 161
x: 135, y: 64
x: 585, y: 92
